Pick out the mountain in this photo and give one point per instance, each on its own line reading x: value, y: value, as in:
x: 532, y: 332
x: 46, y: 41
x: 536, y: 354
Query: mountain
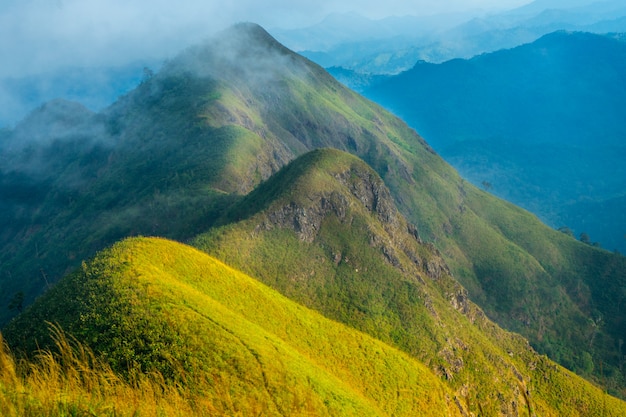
x: 325, y: 230
x: 350, y: 28
x: 181, y: 153
x: 351, y: 41
x: 379, y: 46
x: 540, y: 123
x: 95, y: 87
x: 154, y: 305
x: 393, y: 45
x: 528, y: 23
x: 594, y: 9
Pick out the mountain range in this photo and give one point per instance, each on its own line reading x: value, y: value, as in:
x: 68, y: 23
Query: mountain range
x: 394, y: 44
x: 539, y: 125
x: 293, y: 189
x: 350, y: 41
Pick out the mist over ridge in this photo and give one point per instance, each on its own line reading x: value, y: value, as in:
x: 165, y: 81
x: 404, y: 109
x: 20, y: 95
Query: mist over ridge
x: 92, y: 51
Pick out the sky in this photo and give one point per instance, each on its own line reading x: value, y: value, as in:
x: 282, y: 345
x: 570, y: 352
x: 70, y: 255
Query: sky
x: 43, y: 36
x: 36, y: 35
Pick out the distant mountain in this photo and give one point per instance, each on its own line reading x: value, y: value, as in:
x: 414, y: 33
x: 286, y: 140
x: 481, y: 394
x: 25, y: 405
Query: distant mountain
x: 368, y: 46
x: 527, y: 24
x: 594, y: 9
x: 394, y: 45
x: 96, y: 88
x: 351, y: 28
x: 541, y: 124
x: 193, y: 148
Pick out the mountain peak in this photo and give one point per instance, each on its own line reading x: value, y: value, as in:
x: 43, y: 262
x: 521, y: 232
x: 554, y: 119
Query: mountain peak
x: 252, y: 30
x: 50, y: 120
x: 244, y: 52
x: 329, y: 186
x: 64, y: 113
x: 322, y: 182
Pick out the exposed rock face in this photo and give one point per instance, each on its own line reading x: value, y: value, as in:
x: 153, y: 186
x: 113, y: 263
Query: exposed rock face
x: 359, y: 188
x: 369, y: 189
x: 306, y: 221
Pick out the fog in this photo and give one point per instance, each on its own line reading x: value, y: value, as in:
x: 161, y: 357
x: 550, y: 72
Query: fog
x: 37, y: 35
x: 44, y: 36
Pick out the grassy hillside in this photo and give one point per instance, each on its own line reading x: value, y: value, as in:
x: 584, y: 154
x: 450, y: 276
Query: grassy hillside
x: 174, y: 155
x: 232, y: 345
x: 330, y: 238
x: 169, y: 323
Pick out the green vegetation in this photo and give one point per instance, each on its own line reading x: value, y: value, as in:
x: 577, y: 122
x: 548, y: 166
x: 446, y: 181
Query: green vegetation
x: 167, y: 322
x: 191, y: 155
x: 361, y: 266
x: 156, y: 307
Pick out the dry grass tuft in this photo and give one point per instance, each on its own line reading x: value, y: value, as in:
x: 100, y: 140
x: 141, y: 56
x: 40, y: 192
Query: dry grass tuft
x: 71, y: 381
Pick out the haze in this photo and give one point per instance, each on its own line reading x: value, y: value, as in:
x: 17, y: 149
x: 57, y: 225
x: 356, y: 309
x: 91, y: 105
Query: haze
x: 43, y: 36
x: 39, y: 35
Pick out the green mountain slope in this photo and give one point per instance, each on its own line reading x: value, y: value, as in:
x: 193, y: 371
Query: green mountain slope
x: 173, y: 156
x: 151, y: 304
x: 330, y: 237
x: 329, y: 231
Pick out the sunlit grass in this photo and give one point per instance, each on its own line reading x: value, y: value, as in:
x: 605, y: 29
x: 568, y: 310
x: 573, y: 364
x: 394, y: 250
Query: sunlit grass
x: 71, y: 381
x: 174, y: 326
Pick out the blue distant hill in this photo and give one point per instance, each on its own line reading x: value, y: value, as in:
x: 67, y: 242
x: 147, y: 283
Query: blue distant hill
x: 394, y: 44
x: 542, y: 125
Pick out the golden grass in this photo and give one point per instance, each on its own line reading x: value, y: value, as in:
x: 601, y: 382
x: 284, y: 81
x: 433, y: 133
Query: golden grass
x: 247, y: 350
x: 244, y: 350
x: 71, y: 381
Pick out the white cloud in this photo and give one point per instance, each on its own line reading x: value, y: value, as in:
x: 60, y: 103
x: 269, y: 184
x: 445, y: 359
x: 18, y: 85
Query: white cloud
x: 40, y: 36
x: 36, y: 35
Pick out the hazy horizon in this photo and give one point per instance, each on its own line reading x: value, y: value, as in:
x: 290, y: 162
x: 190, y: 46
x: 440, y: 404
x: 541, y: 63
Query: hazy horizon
x: 37, y: 36
x: 41, y: 37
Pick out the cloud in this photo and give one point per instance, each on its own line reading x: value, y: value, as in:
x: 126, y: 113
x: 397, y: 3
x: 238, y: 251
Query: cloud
x: 38, y: 35
x: 42, y: 34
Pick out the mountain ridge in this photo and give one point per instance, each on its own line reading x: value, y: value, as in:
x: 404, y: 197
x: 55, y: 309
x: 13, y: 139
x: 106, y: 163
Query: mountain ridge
x: 149, y: 303
x: 187, y: 146
x: 269, y: 353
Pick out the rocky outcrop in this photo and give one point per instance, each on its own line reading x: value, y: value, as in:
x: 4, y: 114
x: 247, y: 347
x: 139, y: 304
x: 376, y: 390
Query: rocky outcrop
x: 306, y: 221
x: 359, y: 190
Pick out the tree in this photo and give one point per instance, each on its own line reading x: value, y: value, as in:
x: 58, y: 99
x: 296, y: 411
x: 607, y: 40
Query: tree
x: 17, y: 302
x: 147, y: 74
x: 584, y: 237
x: 586, y: 363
